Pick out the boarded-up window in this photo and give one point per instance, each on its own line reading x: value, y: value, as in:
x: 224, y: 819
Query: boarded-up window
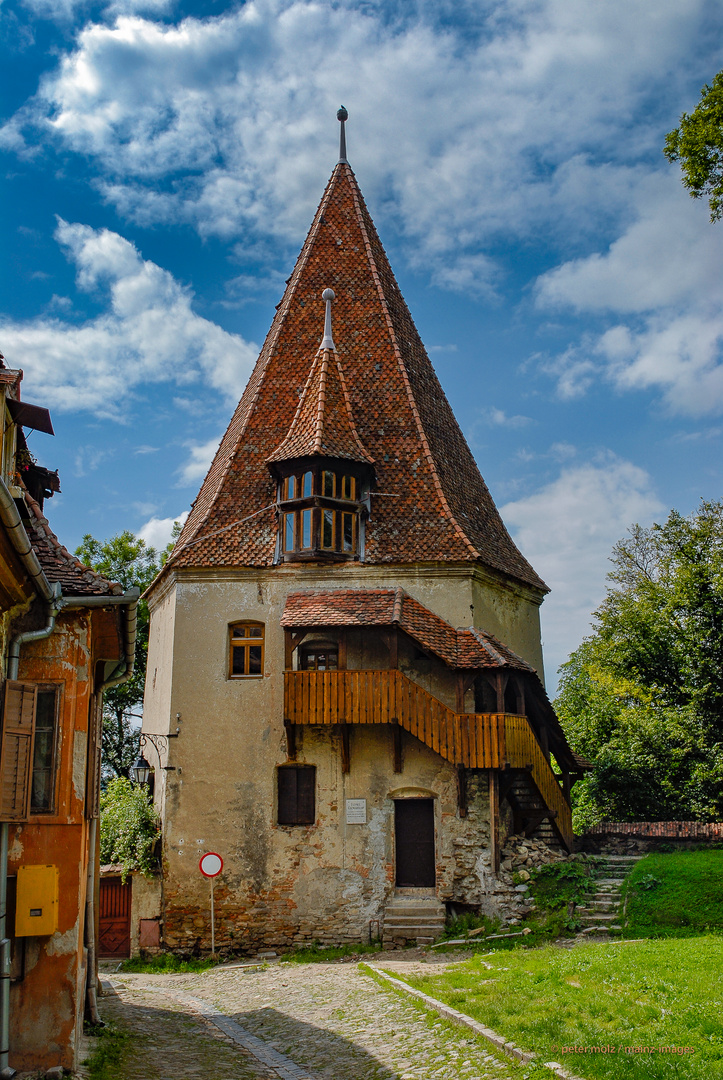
x: 297, y: 794
x: 16, y: 756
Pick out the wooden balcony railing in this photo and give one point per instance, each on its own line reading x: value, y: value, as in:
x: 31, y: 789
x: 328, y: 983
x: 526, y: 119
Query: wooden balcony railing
x: 474, y: 740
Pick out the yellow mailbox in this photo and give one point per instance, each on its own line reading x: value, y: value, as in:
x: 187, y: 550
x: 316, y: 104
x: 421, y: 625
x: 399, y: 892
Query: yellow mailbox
x: 36, y: 903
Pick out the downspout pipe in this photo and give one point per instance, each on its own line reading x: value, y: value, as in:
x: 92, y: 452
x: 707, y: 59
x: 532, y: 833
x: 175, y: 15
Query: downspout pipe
x: 51, y: 594
x: 120, y: 674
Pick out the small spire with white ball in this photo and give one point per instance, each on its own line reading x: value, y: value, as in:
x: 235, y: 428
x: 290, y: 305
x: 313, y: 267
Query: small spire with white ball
x: 327, y: 341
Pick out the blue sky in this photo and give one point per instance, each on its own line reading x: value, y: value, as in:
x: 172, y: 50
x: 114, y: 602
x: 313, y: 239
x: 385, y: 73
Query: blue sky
x: 162, y: 162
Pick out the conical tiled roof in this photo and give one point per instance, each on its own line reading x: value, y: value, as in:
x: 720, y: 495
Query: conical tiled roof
x: 323, y: 425
x: 441, y: 509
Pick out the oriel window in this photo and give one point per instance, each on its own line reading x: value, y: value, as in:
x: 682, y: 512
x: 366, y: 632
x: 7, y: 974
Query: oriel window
x: 246, y: 650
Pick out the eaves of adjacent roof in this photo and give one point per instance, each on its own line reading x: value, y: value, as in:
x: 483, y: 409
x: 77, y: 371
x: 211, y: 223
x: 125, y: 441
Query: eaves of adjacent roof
x: 441, y: 509
x: 59, y: 564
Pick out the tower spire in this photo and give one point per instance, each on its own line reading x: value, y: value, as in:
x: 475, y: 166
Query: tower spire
x: 327, y: 342
x: 342, y: 116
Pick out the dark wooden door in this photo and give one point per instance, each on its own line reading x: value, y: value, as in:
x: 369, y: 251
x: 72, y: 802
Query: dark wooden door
x: 414, y: 830
x: 114, y: 932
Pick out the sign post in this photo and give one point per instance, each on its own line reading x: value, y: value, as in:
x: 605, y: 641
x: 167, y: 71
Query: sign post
x: 211, y: 865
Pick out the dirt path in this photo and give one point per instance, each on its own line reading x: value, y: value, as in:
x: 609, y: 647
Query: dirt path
x: 292, y: 1022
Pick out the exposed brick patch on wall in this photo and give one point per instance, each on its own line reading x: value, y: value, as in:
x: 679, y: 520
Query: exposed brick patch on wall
x: 664, y: 830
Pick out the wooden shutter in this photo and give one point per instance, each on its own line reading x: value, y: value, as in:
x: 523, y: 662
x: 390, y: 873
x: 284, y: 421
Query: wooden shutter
x: 16, y: 753
x: 305, y: 796
x: 297, y: 790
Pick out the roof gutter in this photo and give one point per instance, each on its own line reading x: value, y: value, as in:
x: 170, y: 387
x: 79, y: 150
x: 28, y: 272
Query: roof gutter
x: 19, y: 539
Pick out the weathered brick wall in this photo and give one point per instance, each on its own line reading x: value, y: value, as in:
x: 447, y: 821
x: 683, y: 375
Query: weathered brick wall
x: 663, y: 830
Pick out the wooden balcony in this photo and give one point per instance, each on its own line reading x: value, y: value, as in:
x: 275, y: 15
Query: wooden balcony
x: 470, y: 740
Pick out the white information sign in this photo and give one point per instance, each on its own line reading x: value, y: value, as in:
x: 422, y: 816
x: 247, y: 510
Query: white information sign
x: 356, y: 811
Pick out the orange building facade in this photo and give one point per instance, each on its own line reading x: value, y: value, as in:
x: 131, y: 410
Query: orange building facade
x: 67, y: 633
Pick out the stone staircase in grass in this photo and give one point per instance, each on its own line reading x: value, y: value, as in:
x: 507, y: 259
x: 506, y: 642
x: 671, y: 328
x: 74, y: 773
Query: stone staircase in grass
x: 601, y: 913
x: 412, y: 917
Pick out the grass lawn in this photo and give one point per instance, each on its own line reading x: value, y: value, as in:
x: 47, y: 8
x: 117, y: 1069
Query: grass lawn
x: 676, y: 893
x: 644, y: 994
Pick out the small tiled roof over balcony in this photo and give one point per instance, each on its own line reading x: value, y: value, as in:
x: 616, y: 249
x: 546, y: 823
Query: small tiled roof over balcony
x: 429, y: 502
x: 463, y: 648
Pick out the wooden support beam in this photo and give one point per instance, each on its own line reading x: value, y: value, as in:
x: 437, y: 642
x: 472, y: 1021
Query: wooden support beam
x: 500, y: 686
x: 290, y: 740
x: 291, y: 643
x: 397, y: 736
x: 494, y: 820
x: 341, y: 659
x: 462, y: 791
x: 465, y: 680
x: 345, y: 750
x: 520, y: 690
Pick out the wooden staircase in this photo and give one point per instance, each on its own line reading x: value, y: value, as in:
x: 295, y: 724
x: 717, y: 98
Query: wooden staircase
x: 467, y: 740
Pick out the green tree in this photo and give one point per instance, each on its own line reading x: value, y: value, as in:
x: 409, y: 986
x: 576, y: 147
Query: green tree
x: 642, y: 697
x: 128, y: 560
x: 698, y: 145
x: 129, y: 827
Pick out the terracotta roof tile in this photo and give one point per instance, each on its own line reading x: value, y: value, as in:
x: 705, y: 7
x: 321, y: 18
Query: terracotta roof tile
x: 464, y: 648
x: 443, y: 510
x: 323, y: 425
x: 59, y: 564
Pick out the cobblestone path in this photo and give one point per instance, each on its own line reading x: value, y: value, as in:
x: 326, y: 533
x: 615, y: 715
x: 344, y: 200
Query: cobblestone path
x: 328, y: 1021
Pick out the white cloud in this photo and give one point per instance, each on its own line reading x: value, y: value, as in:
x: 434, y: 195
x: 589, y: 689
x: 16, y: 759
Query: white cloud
x: 499, y: 418
x: 199, y: 460
x: 567, y: 530
x: 658, y: 288
x: 148, y: 333
x: 511, y: 118
x: 157, y: 532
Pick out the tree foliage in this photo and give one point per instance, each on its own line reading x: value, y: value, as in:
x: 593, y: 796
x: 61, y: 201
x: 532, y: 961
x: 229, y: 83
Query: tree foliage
x: 129, y: 561
x: 698, y: 145
x: 129, y: 827
x: 642, y: 697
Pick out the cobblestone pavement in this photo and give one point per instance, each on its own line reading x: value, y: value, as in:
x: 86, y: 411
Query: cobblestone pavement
x: 328, y: 1021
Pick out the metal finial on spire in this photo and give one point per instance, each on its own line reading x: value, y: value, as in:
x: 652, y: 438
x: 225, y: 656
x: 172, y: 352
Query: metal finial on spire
x: 327, y: 296
x: 342, y: 116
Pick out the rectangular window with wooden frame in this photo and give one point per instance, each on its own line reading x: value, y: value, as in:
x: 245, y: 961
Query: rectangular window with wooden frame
x: 328, y: 529
x: 246, y: 650
x: 296, y: 794
x: 42, y: 798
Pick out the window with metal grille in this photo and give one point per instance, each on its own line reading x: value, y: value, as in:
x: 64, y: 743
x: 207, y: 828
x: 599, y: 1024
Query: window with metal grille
x: 246, y: 652
x: 296, y: 794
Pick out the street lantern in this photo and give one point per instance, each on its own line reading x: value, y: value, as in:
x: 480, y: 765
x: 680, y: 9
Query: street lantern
x: 141, y: 771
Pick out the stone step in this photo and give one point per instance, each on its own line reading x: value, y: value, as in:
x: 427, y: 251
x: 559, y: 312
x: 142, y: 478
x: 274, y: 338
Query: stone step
x: 597, y: 916
x: 415, y: 909
x: 402, y: 923
x: 608, y: 928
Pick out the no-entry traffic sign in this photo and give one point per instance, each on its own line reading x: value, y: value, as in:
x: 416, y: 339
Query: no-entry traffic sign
x: 210, y: 864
